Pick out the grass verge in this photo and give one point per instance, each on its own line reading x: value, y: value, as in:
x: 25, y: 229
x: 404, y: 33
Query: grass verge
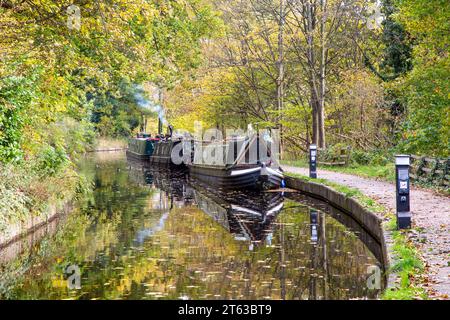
x: 407, y: 263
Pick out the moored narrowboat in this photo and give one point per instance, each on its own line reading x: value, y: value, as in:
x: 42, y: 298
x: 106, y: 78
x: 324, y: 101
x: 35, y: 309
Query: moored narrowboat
x: 141, y: 147
x: 236, y: 163
x: 168, y: 151
x: 164, y: 153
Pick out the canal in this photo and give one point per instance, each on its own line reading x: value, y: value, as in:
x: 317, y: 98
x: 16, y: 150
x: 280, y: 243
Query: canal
x: 145, y: 234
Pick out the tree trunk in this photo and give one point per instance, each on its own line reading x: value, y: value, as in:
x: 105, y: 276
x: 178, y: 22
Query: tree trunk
x: 312, y: 76
x: 315, y: 120
x: 361, y: 117
x: 280, y: 80
x: 321, y: 111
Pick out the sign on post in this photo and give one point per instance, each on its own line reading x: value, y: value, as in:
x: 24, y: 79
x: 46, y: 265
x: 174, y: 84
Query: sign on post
x: 313, y: 161
x: 402, y: 163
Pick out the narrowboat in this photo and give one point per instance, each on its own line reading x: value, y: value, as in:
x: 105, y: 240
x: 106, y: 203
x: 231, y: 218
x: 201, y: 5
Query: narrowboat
x: 165, y: 152
x: 236, y: 163
x: 168, y: 151
x: 141, y: 147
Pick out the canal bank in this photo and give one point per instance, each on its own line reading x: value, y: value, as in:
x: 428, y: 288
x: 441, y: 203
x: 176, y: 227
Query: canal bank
x: 46, y: 198
x: 32, y: 223
x: 426, y: 245
x: 108, y: 145
x: 29, y: 201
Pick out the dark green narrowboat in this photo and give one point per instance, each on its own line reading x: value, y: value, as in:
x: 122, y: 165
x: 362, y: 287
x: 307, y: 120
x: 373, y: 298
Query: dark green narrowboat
x: 162, y: 155
x: 141, y: 148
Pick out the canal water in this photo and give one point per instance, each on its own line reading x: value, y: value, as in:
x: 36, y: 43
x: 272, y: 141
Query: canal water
x: 145, y: 234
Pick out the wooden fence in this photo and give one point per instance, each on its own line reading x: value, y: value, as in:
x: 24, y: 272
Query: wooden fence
x: 341, y: 157
x: 430, y: 170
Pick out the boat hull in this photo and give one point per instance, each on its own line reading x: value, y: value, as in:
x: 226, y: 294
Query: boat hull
x: 162, y: 156
x: 138, y: 156
x: 237, y: 178
x: 140, y: 149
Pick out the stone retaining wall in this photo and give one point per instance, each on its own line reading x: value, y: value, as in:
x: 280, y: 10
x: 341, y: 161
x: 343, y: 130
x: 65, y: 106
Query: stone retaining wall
x: 30, y: 225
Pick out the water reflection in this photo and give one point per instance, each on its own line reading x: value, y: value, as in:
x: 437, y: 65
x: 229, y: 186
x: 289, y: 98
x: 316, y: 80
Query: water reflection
x: 149, y: 234
x: 314, y: 215
x: 250, y: 221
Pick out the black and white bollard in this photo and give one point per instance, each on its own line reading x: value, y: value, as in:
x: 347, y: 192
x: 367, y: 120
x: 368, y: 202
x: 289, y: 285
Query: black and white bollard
x: 313, y: 161
x: 402, y: 163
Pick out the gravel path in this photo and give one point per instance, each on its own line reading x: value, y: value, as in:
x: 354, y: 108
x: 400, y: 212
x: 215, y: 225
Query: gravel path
x: 431, y: 222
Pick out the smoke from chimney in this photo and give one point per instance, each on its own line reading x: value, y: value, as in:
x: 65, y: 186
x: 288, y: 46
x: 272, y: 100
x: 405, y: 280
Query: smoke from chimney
x: 149, y: 104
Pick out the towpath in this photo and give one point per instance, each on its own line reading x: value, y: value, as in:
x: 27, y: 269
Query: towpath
x: 431, y: 222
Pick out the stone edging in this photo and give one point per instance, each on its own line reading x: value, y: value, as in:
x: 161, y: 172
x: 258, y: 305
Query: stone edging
x: 372, y: 223
x: 19, y: 230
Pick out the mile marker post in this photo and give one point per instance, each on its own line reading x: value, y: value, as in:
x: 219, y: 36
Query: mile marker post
x: 402, y: 163
x: 313, y: 161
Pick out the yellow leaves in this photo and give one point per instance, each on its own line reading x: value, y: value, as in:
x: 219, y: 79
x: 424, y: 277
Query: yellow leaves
x: 59, y: 283
x: 194, y: 99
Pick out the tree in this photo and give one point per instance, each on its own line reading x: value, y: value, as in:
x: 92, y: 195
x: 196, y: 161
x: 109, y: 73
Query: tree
x: 89, y: 72
x: 425, y: 90
x: 323, y: 36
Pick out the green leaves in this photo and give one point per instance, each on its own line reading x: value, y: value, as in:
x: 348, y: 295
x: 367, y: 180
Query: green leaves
x: 427, y: 127
x: 16, y: 93
x: 90, y: 73
x: 52, y: 160
x: 426, y: 89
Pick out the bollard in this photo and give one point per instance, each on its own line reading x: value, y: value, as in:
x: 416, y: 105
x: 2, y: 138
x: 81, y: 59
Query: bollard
x: 402, y: 163
x: 314, y: 218
x: 313, y: 161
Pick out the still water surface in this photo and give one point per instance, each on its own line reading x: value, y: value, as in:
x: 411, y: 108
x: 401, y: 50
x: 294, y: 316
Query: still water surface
x: 143, y: 234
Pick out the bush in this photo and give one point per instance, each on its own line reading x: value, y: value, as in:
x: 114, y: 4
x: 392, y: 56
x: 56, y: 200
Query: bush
x: 51, y: 161
x: 360, y: 157
x: 14, y: 200
x: 25, y: 190
x: 15, y: 95
x: 77, y: 136
x: 375, y: 158
x: 427, y: 127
